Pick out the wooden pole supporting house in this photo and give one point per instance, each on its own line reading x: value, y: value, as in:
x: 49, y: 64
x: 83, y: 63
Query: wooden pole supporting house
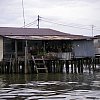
x: 99, y: 60
x: 4, y: 67
x: 16, y: 57
x: 1, y: 63
x: 26, y: 58
x: 95, y: 63
x: 55, y: 66
x: 67, y: 66
x: 52, y: 66
x: 64, y: 67
x: 78, y: 65
x: 10, y: 65
x: 58, y: 66
x: 54, y: 69
x: 75, y: 66
x: 89, y: 65
x: 71, y: 66
x: 81, y: 64
x: 92, y: 63
x: 86, y: 61
x: 44, y: 47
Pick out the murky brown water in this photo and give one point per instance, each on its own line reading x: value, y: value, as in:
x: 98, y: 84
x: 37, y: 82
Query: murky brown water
x: 50, y: 87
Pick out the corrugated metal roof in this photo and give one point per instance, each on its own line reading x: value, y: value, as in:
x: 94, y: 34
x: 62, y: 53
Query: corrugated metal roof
x: 40, y: 37
x: 35, y: 33
x: 29, y: 31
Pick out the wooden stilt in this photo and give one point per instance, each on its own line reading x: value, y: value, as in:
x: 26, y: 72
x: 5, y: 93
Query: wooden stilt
x: 75, y: 66
x: 71, y: 66
x: 67, y: 66
x: 89, y: 65
x: 78, y: 65
x: 60, y: 65
x: 81, y: 64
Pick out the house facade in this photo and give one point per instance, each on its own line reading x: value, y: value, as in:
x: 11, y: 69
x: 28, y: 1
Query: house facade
x: 46, y: 42
x: 97, y: 44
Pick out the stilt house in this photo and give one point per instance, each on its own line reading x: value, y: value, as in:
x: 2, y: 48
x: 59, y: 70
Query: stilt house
x: 47, y: 42
x: 97, y: 45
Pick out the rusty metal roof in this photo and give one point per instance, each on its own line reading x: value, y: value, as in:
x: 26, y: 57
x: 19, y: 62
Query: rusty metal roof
x: 38, y: 34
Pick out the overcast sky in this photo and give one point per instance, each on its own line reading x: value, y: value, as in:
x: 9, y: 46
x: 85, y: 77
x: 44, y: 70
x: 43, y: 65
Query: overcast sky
x: 71, y: 16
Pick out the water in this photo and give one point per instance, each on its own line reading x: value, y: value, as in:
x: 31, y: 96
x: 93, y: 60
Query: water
x: 50, y: 86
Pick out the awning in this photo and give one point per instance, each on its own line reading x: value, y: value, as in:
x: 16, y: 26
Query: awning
x: 39, y: 37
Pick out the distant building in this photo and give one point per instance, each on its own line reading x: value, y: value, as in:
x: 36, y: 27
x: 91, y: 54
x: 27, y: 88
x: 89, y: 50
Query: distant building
x: 44, y: 41
x: 97, y: 44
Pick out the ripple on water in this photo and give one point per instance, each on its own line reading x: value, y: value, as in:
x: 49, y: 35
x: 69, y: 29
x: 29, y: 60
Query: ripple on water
x: 53, y: 90
x: 95, y: 85
x: 56, y: 97
x: 7, y: 97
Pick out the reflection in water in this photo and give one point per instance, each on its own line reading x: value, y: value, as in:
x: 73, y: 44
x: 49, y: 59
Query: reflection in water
x: 50, y: 87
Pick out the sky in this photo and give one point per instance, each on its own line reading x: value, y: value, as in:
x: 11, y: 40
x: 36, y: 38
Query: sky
x: 80, y: 17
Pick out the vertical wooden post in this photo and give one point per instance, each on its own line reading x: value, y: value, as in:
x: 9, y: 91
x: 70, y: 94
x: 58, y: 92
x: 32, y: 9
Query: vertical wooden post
x: 16, y: 56
x: 89, y: 65
x: 64, y: 67
x: 67, y: 66
x: 56, y: 66
x: 25, y: 60
x: 61, y: 65
x: 44, y: 47
x: 81, y: 64
x: 10, y: 64
x: 4, y: 67
x: 95, y: 62
x: 75, y: 66
x: 26, y: 51
x: 72, y: 66
x: 52, y: 66
x: 86, y: 62
x: 78, y: 65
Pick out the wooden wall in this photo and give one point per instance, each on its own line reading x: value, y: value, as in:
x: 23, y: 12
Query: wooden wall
x: 83, y: 48
x: 97, y: 45
x: 1, y: 48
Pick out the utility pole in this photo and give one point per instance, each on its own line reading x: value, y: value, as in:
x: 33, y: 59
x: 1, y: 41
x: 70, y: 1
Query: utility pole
x: 38, y: 22
x: 92, y: 30
x: 26, y: 49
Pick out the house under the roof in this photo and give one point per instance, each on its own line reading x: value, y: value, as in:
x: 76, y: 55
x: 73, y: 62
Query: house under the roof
x: 97, y: 45
x: 39, y: 34
x: 47, y: 40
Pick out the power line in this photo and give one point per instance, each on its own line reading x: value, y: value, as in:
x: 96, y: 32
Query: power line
x: 26, y: 49
x: 66, y: 25
x: 38, y: 21
x: 79, y: 26
x: 92, y: 29
x: 30, y: 24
